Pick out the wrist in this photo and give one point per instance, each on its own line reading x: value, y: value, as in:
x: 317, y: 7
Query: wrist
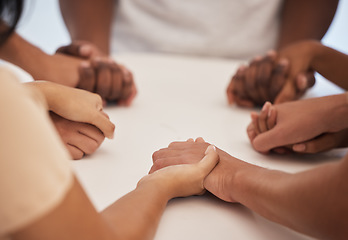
x: 338, y: 112
x: 158, y: 186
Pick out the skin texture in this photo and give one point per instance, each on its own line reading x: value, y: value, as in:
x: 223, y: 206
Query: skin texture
x: 296, y: 25
x: 101, y: 74
x: 299, y: 201
x: 77, y: 115
x: 134, y: 216
x: 320, y: 130
x: 292, y: 76
x: 88, y: 68
x: 315, y: 136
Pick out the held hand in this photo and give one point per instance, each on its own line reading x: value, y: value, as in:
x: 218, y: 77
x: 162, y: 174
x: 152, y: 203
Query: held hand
x: 300, y: 76
x: 268, y: 79
x: 186, y: 179
x: 79, y: 138
x: 219, y: 182
x: 101, y: 74
x: 311, y: 118
x: 76, y: 105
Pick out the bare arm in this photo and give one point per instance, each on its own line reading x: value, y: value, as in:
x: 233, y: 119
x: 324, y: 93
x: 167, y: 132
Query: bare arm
x: 89, y: 20
x: 331, y: 64
x: 313, y: 202
x: 305, y: 20
x: 134, y: 216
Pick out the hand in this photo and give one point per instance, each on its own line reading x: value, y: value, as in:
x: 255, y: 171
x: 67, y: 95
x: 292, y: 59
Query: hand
x: 219, y: 182
x: 79, y: 138
x: 75, y: 105
x: 264, y: 79
x: 300, y: 76
x: 101, y: 74
x: 280, y: 125
x: 185, y: 179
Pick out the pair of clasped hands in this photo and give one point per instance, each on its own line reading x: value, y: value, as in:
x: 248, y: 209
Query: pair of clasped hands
x: 81, y: 65
x: 304, y: 126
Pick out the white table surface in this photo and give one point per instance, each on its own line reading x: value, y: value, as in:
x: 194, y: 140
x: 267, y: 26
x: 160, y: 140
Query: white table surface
x: 180, y: 97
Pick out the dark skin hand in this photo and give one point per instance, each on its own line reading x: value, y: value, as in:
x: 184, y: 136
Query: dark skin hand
x: 102, y: 75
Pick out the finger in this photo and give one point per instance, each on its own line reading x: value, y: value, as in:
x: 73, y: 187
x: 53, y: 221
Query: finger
x: 255, y: 122
x: 251, y: 132
x: 278, y: 78
x: 190, y: 140
x: 104, y: 124
x: 244, y: 102
x: 272, y: 117
x: 166, y: 162
x: 288, y: 93
x: 103, y: 86
x: 269, y: 140
x: 229, y: 92
x: 199, y: 140
x: 87, y: 77
x: 92, y: 132
x: 319, y: 144
x: 116, y: 83
x: 83, y: 142
x: 281, y: 150
x: 71, y: 49
x: 264, y: 73
x: 127, y: 83
x: 250, y: 80
x: 262, y: 119
x: 239, y: 83
x: 210, y: 160
x: 75, y: 152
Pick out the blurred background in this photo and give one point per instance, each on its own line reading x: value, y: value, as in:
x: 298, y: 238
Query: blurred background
x: 42, y: 24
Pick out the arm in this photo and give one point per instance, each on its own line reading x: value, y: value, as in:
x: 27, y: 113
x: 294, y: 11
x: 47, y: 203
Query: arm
x: 312, y: 202
x: 89, y: 20
x: 302, y: 20
x: 134, y: 216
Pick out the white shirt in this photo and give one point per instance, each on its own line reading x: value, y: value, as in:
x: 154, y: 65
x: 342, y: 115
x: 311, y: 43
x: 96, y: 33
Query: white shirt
x: 216, y: 28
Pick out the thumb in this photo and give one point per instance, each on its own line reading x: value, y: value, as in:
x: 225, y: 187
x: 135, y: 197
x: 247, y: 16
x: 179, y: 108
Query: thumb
x: 104, y: 124
x: 287, y: 93
x: 266, y: 141
x: 210, y: 160
x: 83, y: 50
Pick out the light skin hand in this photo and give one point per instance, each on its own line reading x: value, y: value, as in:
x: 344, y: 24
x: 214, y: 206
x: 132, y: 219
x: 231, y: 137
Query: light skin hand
x: 293, y: 200
x: 76, y: 218
x: 191, y: 152
x: 76, y: 105
x: 186, y: 179
x: 101, y: 74
x: 79, y: 138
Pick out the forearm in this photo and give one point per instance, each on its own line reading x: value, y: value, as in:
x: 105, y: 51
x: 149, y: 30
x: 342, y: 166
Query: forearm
x: 312, y: 202
x: 137, y: 214
x: 331, y: 64
x: 18, y: 51
x: 89, y: 20
x: 305, y: 20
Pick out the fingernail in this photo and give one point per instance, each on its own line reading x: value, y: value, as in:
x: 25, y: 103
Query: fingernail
x: 209, y: 148
x: 299, y: 147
